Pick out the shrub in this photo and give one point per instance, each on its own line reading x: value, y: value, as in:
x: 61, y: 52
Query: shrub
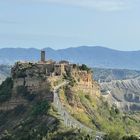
x: 112, y: 136
x: 19, y: 109
x: 132, y: 137
x: 6, y: 90
x: 84, y: 67
x: 87, y: 97
x: 41, y: 108
x: 114, y: 111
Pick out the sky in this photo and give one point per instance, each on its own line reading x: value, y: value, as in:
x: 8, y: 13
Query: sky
x: 70, y: 23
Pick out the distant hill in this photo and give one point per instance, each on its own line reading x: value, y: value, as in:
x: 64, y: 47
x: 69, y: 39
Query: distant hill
x: 4, y: 72
x: 125, y: 92
x: 92, y: 56
x: 107, y: 75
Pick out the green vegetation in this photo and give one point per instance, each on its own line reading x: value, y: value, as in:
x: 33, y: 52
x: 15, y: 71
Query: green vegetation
x: 38, y: 120
x: 117, y: 136
x: 84, y: 67
x: 37, y: 123
x: 19, y: 109
x: 132, y: 137
x: 114, y: 111
x: 40, y: 108
x: 6, y: 90
x: 23, y: 91
x: 98, y: 114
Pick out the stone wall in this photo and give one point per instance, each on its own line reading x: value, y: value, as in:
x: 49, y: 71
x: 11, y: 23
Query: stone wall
x: 37, y: 76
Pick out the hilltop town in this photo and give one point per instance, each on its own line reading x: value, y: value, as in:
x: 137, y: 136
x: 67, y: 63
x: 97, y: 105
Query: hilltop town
x: 43, y: 81
x: 50, y: 99
x: 35, y: 76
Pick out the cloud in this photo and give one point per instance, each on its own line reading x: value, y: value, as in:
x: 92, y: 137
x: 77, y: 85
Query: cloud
x: 102, y: 5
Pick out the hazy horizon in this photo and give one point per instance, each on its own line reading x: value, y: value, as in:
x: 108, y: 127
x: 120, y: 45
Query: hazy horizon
x: 68, y: 48
x: 62, y: 24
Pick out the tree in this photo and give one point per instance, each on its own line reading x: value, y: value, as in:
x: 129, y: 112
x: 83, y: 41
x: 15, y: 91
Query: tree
x: 6, y: 90
x: 84, y: 67
x: 132, y: 137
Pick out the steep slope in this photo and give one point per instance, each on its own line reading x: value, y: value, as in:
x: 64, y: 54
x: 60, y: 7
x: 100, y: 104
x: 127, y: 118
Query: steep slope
x: 126, y: 93
x: 92, y: 111
x: 92, y: 56
x: 39, y: 119
x: 102, y: 74
x: 30, y: 89
x: 36, y: 120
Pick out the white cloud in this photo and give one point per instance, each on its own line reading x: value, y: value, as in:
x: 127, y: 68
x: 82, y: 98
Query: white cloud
x: 96, y: 4
x: 103, y: 5
x: 100, y: 5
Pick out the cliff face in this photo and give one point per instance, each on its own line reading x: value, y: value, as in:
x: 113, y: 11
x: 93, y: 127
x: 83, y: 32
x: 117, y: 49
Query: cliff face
x: 30, y: 112
x: 84, y: 82
x: 90, y: 109
x: 30, y: 79
x: 31, y: 91
x: 124, y: 93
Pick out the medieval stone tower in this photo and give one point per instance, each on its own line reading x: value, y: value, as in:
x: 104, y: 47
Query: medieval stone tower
x: 42, y: 56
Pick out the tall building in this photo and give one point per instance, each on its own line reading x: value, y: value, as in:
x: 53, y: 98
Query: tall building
x: 42, y: 56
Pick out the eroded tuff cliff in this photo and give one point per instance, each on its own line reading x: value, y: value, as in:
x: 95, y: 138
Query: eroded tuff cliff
x: 124, y: 93
x: 35, y: 118
x: 35, y: 113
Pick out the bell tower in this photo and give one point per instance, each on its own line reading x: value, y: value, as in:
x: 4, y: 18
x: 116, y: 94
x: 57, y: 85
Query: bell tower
x: 42, y: 56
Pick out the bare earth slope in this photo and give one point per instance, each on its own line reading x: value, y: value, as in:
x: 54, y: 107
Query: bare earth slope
x: 124, y: 93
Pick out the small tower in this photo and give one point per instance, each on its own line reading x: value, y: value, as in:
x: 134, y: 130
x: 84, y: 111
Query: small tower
x: 42, y: 56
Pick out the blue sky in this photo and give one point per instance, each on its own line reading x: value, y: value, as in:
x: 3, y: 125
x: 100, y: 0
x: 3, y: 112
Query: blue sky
x: 70, y: 23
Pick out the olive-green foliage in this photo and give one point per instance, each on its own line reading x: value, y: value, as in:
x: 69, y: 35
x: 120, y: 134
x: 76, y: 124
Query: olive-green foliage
x: 84, y: 67
x: 70, y: 135
x: 132, y: 137
x: 113, y: 136
x: 42, y: 127
x: 40, y: 108
x: 114, y: 111
x: 6, y: 90
x: 88, y: 97
x: 117, y: 136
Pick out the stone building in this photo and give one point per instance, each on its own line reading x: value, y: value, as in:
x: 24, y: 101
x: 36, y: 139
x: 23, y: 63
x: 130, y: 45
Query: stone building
x: 43, y: 56
x: 36, y: 75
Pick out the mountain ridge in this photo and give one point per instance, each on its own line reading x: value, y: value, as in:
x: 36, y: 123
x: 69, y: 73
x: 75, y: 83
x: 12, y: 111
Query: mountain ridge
x: 95, y: 56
